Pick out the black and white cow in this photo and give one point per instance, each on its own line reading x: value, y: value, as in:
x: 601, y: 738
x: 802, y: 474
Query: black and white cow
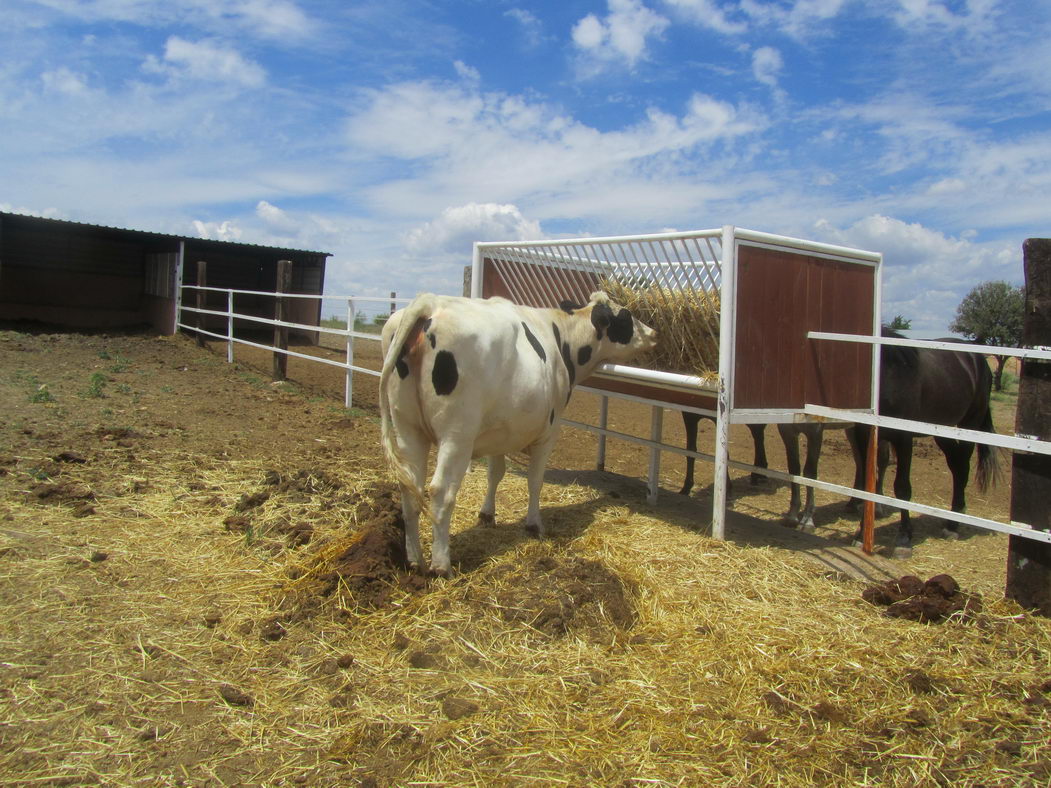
x: 482, y: 378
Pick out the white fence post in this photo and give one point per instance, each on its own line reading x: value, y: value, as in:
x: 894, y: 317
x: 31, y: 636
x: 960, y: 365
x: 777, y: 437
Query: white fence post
x: 348, y: 396
x: 603, y: 419
x: 229, y: 326
x: 656, y: 428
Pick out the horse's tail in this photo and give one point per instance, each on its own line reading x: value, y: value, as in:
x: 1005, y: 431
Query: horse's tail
x: 988, y: 473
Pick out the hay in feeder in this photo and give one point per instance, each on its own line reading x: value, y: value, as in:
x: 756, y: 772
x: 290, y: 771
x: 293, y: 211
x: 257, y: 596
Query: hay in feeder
x: 686, y: 321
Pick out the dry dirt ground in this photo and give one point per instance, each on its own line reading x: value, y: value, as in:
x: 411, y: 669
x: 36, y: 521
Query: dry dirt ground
x: 200, y: 584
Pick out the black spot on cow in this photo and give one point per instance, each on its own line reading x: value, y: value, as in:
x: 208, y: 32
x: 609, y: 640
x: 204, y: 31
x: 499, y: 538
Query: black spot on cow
x: 584, y: 355
x: 535, y: 343
x: 620, y: 325
x: 569, y: 307
x: 426, y: 325
x: 567, y: 359
x: 402, y: 367
x: 444, y: 374
x: 551, y: 418
x: 558, y: 335
x: 432, y: 339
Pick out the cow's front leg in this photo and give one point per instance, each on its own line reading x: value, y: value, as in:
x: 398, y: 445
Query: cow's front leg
x: 538, y: 456
x: 450, y: 468
x: 497, y: 467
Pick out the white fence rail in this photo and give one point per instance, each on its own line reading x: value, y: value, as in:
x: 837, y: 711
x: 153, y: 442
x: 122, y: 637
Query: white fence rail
x: 354, y: 306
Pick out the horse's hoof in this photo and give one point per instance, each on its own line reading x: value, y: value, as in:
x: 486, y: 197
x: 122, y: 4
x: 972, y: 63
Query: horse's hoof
x: 756, y: 479
x: 486, y: 520
x: 948, y: 533
x: 685, y: 490
x: 807, y: 527
x: 902, y: 553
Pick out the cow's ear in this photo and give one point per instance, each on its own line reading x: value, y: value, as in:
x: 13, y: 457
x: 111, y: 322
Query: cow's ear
x: 570, y: 307
x: 601, y: 317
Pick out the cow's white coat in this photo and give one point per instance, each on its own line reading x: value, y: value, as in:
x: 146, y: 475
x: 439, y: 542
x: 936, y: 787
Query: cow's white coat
x: 509, y: 393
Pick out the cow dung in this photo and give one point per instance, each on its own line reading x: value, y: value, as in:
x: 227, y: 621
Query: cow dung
x: 911, y: 598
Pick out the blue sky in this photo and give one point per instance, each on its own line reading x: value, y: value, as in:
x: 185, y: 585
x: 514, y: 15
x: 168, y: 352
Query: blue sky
x: 395, y: 133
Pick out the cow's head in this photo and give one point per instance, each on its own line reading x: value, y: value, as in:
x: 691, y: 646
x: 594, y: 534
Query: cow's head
x: 622, y: 335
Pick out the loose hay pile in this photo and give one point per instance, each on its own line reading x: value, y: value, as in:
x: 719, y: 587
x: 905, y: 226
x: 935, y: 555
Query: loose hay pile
x: 686, y: 321
x: 149, y: 643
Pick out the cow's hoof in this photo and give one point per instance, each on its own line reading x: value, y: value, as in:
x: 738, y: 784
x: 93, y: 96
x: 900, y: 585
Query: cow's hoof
x: 486, y: 520
x: 902, y: 553
x: 437, y: 571
x: 535, y: 530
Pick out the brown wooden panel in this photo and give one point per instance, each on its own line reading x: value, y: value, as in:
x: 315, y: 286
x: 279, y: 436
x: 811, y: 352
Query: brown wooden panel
x: 541, y: 285
x: 782, y: 295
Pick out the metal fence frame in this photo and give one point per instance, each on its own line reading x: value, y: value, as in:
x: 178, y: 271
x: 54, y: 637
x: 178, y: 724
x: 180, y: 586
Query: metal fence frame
x: 810, y: 413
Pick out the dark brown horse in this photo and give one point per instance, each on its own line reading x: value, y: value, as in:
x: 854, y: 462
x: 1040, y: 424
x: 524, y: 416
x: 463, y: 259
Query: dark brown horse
x: 945, y: 387
x: 690, y: 422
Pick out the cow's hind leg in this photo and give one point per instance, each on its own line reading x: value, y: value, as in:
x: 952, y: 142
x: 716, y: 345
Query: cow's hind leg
x: 414, y: 447
x: 450, y: 467
x: 537, y: 463
x: 497, y: 467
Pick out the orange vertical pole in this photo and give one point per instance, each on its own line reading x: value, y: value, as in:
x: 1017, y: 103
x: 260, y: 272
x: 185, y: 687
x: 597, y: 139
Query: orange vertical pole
x: 868, y: 511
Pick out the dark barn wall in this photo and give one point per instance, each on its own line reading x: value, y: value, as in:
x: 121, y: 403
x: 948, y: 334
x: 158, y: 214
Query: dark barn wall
x: 89, y: 276
x: 71, y: 278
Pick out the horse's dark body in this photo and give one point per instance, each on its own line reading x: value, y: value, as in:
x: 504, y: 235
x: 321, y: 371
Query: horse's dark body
x: 690, y: 422
x: 941, y: 387
x: 937, y: 386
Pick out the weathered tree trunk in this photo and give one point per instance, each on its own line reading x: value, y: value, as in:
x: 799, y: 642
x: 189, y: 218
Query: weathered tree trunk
x: 1029, y: 561
x: 998, y: 376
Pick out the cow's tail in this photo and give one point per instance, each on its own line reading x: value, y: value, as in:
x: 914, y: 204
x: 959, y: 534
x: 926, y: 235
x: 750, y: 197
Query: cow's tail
x: 988, y: 472
x: 421, y: 307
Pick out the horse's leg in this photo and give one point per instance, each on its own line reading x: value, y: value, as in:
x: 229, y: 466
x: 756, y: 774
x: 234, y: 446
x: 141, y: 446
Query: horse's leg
x: 759, y: 442
x: 903, y: 490
x: 790, y: 437
x: 858, y: 438
x: 814, y: 436
x: 689, y: 423
x: 958, y: 457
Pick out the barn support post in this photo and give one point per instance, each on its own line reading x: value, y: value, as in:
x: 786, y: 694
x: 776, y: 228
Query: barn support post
x: 656, y: 428
x: 603, y: 420
x: 202, y: 281
x: 282, y: 285
x: 1029, y: 561
x: 348, y: 388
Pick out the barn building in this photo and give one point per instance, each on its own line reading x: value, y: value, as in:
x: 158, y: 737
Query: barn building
x: 90, y: 276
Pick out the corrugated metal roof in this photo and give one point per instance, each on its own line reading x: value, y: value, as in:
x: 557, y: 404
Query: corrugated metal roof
x: 188, y: 238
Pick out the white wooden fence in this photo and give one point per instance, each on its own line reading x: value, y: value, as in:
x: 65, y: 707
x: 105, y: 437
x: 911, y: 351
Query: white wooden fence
x: 355, y: 304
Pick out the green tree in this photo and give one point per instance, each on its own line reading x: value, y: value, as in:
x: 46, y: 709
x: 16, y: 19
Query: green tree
x: 991, y: 314
x: 899, y: 323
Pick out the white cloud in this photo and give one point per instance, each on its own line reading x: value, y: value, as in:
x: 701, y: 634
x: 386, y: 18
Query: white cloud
x: 218, y: 231
x: 458, y: 227
x: 63, y: 80
x: 926, y: 272
x: 766, y: 65
x: 708, y: 13
x: 532, y: 28
x: 466, y: 145
x: 275, y: 218
x: 207, y: 61
x: 622, y: 35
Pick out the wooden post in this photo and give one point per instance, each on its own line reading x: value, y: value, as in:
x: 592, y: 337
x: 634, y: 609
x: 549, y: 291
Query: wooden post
x: 282, y: 285
x: 868, y: 510
x: 393, y: 306
x: 1029, y: 561
x: 202, y: 281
